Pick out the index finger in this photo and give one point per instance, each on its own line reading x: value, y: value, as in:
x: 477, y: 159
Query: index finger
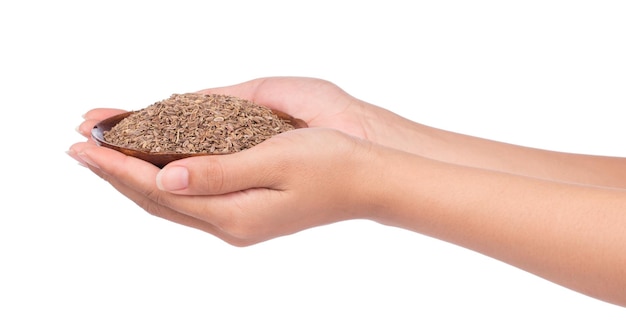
x: 101, y: 113
x: 92, y: 117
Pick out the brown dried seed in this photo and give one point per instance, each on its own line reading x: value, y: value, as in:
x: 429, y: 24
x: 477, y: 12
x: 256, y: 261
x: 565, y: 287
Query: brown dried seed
x: 196, y: 123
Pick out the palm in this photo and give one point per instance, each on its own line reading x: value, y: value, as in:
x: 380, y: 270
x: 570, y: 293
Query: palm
x: 318, y: 102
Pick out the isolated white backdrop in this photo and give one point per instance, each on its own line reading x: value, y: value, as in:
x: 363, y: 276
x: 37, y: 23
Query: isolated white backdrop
x: 547, y: 74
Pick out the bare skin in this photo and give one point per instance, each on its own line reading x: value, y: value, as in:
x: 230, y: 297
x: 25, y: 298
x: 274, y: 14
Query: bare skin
x: 558, y: 215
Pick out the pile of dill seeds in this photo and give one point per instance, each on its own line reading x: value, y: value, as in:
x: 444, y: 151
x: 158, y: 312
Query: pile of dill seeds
x: 197, y: 123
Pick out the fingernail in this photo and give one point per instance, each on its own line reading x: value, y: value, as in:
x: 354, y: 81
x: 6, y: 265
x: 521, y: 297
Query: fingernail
x: 173, y: 178
x: 73, y: 155
x: 88, y: 160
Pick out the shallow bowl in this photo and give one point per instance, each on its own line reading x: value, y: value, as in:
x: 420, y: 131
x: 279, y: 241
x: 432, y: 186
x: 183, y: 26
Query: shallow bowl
x: 161, y: 159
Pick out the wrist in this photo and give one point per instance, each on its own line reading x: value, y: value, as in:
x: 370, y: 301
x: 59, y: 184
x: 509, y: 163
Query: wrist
x: 375, y: 181
x: 389, y: 129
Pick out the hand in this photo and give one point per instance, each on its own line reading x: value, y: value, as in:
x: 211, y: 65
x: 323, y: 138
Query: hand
x: 288, y: 183
x: 314, y: 176
x: 293, y: 181
x: 318, y: 102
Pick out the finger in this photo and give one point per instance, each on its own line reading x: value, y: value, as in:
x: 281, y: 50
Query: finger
x: 275, y: 92
x: 257, y: 167
x: 132, y: 177
x: 229, y: 227
x: 101, y: 113
x: 93, y: 117
x: 246, y: 90
x: 156, y: 209
x: 172, y: 215
x: 218, y: 215
x: 300, y: 97
x: 86, y: 127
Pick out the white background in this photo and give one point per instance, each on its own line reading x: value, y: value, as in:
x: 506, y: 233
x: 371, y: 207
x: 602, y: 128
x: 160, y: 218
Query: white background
x: 73, y: 251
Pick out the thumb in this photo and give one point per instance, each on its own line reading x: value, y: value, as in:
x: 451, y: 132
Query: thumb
x: 219, y: 174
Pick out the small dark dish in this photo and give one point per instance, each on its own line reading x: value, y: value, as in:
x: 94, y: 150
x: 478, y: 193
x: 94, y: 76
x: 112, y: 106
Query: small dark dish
x: 161, y: 159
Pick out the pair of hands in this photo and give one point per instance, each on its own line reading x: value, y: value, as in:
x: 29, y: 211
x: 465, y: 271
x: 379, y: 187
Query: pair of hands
x: 293, y: 181
x: 541, y: 211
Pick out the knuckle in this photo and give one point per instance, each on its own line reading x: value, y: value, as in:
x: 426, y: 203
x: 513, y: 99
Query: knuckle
x: 213, y: 176
x: 155, y: 202
x: 240, y: 227
x: 240, y: 243
x: 153, y: 208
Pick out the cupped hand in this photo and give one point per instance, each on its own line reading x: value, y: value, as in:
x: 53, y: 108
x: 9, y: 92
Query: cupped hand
x: 293, y: 181
x: 318, y: 102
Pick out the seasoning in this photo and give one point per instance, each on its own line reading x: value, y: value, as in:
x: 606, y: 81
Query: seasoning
x: 197, y: 123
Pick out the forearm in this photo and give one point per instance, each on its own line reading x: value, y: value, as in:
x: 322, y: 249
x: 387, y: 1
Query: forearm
x: 572, y: 235
x: 391, y: 130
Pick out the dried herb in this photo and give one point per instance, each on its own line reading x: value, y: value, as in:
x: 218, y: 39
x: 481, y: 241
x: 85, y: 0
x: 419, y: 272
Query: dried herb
x: 197, y: 123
